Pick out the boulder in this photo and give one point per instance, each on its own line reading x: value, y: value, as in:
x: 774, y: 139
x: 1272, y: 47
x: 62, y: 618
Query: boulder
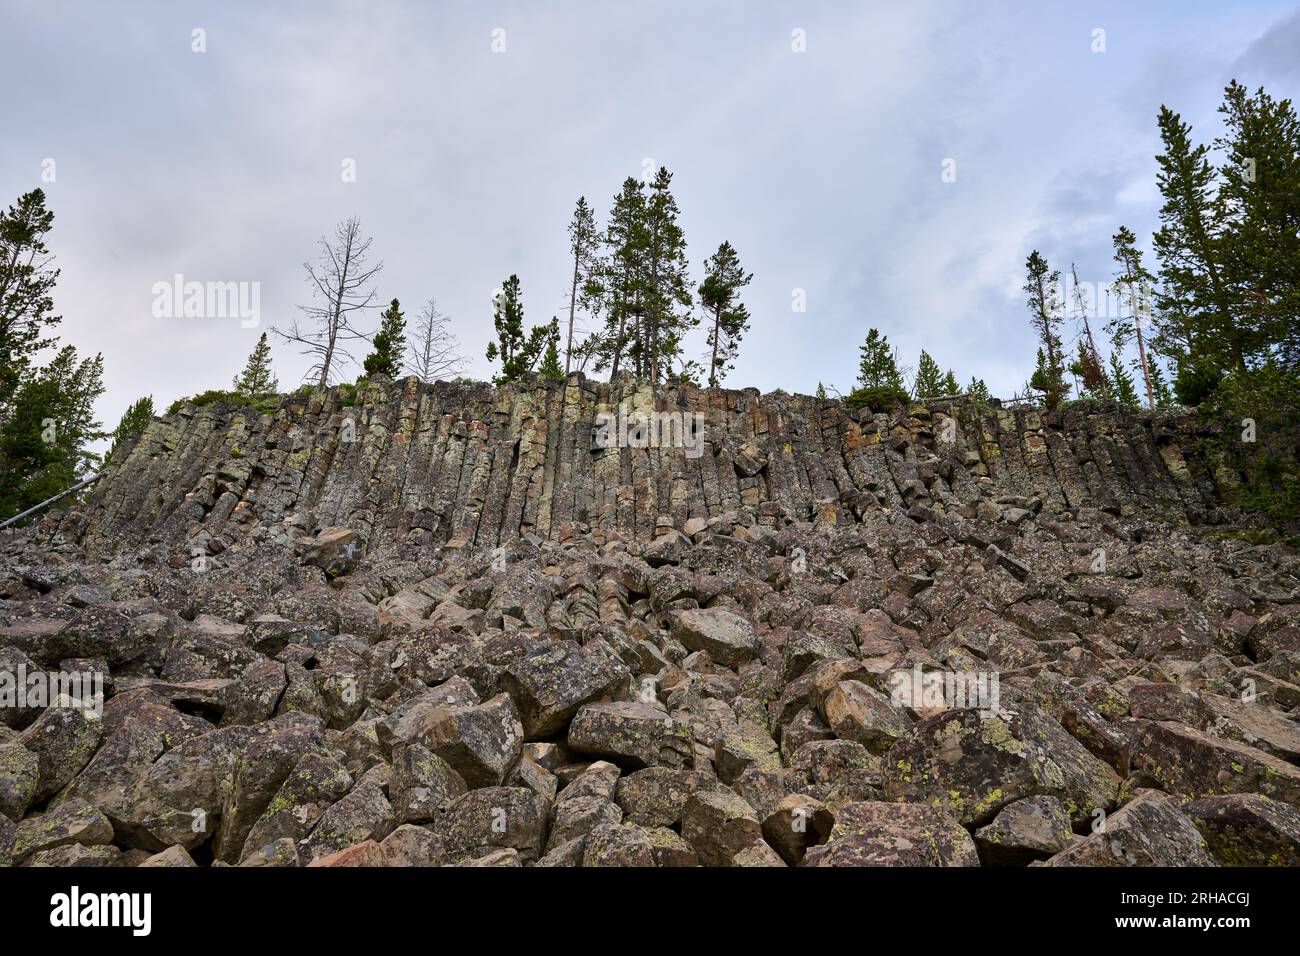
x: 494, y: 818
x: 631, y: 734
x: 1247, y: 829
x: 726, y: 637
x: 551, y: 681
x: 873, y: 833
x: 974, y: 765
x: 1030, y: 829
x: 718, y: 825
x: 479, y: 742
x: 1148, y: 831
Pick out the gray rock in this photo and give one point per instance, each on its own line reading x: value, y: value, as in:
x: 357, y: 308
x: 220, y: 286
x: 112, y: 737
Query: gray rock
x: 1030, y: 829
x: 718, y: 825
x: 728, y: 638
x: 480, y: 743
x: 631, y: 734
x: 551, y: 681
x: 1149, y: 831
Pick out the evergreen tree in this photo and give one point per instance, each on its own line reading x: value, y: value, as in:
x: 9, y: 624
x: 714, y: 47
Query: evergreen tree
x: 389, y: 343
x: 1133, y: 283
x: 584, y: 246
x: 1260, y: 197
x: 550, y: 366
x: 44, y: 443
x: 928, y: 382
x: 978, y: 390
x: 27, y: 280
x: 256, y: 378
x: 880, y: 383
x: 878, y: 365
x: 587, y: 351
x: 821, y: 391
x: 719, y: 295
x: 688, y: 372
x: 134, y: 420
x: 47, y: 419
x: 620, y: 280
x: 1041, y: 284
x: 667, y: 290
x: 1195, y: 326
x: 1121, y: 383
x: 950, y: 386
x: 1160, y: 390
x: 518, y: 352
x: 1044, y: 381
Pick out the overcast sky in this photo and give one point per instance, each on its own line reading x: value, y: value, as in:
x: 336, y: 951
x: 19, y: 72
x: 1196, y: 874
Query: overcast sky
x: 823, y: 168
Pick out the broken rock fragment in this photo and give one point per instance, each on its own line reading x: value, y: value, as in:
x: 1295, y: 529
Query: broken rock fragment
x: 631, y: 734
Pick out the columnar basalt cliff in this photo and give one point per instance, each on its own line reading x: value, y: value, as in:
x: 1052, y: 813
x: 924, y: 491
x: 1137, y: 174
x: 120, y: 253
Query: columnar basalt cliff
x: 470, y: 464
x: 456, y: 625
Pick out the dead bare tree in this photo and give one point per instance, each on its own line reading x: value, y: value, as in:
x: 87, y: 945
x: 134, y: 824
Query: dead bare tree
x: 433, y: 347
x: 340, y: 282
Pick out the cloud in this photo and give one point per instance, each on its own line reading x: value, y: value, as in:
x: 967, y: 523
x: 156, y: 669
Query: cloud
x: 822, y: 168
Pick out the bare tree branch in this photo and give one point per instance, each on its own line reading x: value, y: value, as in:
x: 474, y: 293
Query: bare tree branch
x: 433, y: 347
x: 341, y: 282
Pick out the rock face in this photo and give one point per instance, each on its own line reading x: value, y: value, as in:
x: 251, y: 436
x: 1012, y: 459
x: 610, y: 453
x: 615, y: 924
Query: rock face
x: 443, y: 626
x: 470, y: 464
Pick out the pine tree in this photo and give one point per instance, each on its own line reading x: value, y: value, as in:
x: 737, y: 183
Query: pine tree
x: 1044, y: 381
x: 1044, y: 303
x: 666, y: 281
x: 688, y: 372
x: 620, y: 280
x: 44, y: 443
x: 47, y: 414
x: 1121, y: 383
x: 389, y: 343
x: 1164, y: 397
x: 256, y: 378
x: 878, y: 366
x: 134, y: 420
x: 977, y: 389
x: 928, y: 382
x: 1260, y: 199
x: 584, y: 246
x: 587, y: 351
x: 719, y: 295
x: 518, y: 352
x: 27, y: 280
x: 1194, y: 312
x: 1133, y: 282
x: 880, y: 383
x: 550, y: 366
x: 821, y: 391
x: 950, y: 386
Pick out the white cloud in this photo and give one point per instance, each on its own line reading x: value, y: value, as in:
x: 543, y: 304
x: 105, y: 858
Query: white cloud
x: 822, y: 168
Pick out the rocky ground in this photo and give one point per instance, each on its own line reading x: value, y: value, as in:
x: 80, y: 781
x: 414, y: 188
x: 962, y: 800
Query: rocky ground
x: 723, y: 693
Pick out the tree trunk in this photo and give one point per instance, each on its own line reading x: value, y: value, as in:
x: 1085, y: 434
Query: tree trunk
x: 1142, y: 350
x: 573, y: 301
x: 713, y: 365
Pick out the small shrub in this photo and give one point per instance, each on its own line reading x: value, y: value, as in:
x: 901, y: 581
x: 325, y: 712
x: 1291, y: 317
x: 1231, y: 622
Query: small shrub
x: 216, y: 396
x: 878, y: 398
